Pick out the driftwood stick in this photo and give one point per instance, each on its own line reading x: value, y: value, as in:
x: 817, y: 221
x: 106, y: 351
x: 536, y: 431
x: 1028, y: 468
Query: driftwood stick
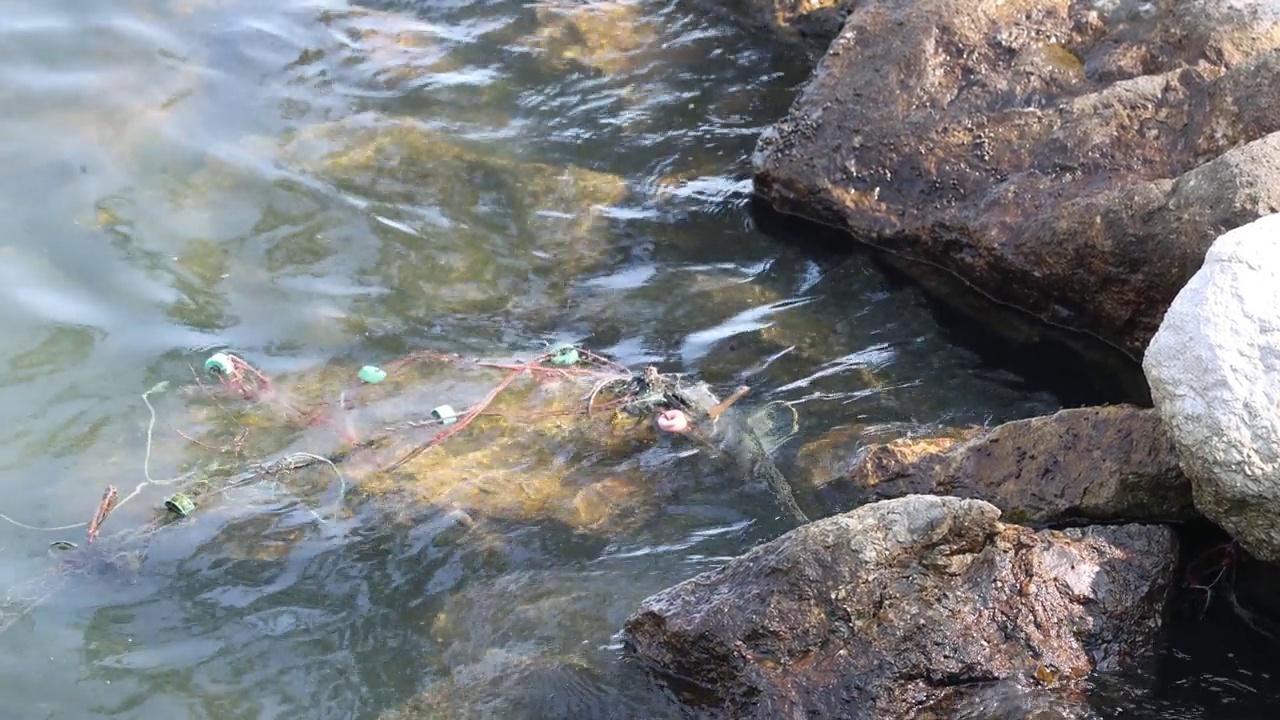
x: 100, y: 515
x: 715, y: 412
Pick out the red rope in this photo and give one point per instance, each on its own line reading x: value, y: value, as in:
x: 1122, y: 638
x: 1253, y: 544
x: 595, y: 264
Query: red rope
x: 104, y: 509
x: 470, y: 415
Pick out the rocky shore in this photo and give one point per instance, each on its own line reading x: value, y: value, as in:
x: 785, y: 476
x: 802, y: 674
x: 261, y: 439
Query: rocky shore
x: 1070, y: 159
x: 1110, y: 169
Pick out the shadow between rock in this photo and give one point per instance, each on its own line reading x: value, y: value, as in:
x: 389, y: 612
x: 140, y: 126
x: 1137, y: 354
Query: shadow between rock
x: 1080, y: 370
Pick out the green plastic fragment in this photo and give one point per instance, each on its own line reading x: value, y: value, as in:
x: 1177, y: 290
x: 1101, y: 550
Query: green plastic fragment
x: 445, y: 415
x: 565, y: 355
x: 179, y: 504
x: 218, y: 364
x: 372, y: 374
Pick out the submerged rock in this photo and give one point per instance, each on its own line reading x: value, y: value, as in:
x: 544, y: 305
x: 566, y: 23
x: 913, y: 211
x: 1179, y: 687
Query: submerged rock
x: 904, y: 603
x: 385, y: 48
x: 514, y: 686
x: 824, y: 461
x: 612, y: 38
x: 526, y: 644
x: 1213, y: 372
x: 1102, y: 464
x: 555, y: 211
x: 1010, y: 700
x: 816, y: 22
x: 533, y: 459
x: 1073, y: 160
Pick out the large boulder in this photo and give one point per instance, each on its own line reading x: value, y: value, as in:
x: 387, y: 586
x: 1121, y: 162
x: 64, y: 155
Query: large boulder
x: 906, y: 603
x: 1074, y: 160
x: 1214, y: 368
x: 1100, y: 464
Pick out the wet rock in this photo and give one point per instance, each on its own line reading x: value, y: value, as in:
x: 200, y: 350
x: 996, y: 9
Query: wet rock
x: 482, y: 207
x: 610, y: 38
x: 388, y: 49
x: 1072, y: 160
x: 598, y: 501
x: 907, y: 602
x: 1212, y: 368
x: 1101, y: 464
x: 556, y: 211
x: 532, y: 460
x: 534, y: 457
x: 822, y: 462
x: 815, y: 22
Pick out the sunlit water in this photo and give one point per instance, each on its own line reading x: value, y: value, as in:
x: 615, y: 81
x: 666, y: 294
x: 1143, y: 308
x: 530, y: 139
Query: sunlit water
x: 319, y: 185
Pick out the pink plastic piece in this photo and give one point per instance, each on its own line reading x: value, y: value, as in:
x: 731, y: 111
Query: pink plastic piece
x: 673, y: 421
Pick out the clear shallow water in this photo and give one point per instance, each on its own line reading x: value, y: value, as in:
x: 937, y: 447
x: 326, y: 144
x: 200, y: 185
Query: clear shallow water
x: 318, y: 185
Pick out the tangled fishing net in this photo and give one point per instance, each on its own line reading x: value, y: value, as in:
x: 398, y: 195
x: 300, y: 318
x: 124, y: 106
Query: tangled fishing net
x: 389, y: 444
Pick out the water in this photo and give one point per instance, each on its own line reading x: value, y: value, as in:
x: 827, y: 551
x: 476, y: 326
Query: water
x: 317, y: 186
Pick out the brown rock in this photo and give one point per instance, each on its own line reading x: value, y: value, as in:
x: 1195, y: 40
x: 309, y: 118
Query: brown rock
x: 814, y: 21
x: 825, y: 461
x: 905, y: 603
x: 1071, y: 160
x: 1102, y: 464
x: 608, y: 37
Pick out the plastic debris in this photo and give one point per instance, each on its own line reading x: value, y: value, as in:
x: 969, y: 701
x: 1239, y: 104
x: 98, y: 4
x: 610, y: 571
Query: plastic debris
x: 564, y: 355
x: 673, y: 421
x: 237, y: 375
x: 372, y: 374
x: 774, y: 424
x: 445, y: 415
x: 179, y: 504
x: 219, y: 364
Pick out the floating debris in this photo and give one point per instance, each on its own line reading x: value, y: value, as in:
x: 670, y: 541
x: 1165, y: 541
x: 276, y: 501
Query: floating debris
x: 672, y: 402
x: 372, y: 374
x: 179, y: 504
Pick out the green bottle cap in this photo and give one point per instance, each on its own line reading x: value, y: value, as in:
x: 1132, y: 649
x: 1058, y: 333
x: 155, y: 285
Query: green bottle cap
x: 565, y: 355
x: 219, y: 364
x: 372, y: 374
x: 445, y: 415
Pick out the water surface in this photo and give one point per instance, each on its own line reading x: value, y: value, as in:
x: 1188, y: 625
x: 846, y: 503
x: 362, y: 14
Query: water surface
x: 316, y: 186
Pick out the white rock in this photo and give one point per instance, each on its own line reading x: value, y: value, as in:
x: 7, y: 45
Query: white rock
x: 1214, y: 372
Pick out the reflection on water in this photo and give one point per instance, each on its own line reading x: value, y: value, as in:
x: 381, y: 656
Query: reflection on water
x: 321, y: 185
